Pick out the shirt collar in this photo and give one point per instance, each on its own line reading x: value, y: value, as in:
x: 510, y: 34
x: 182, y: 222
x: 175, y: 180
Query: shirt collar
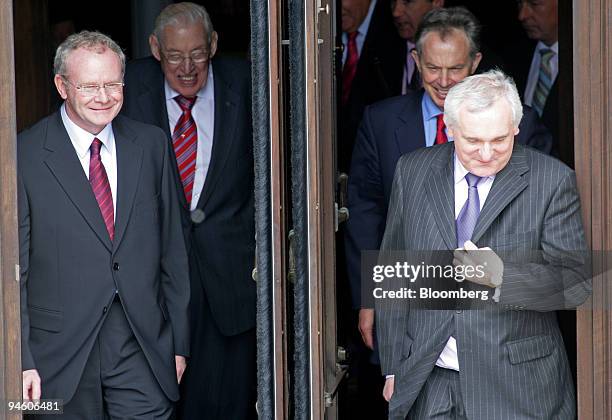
x: 82, y: 139
x: 460, y: 172
x: 206, y: 93
x: 543, y: 46
x: 430, y: 109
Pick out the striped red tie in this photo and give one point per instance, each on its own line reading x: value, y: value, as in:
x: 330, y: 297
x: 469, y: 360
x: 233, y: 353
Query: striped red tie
x: 101, y: 187
x: 185, y: 141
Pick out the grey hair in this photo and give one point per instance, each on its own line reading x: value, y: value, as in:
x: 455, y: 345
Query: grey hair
x: 444, y: 21
x: 90, y: 40
x: 180, y: 14
x: 479, y: 92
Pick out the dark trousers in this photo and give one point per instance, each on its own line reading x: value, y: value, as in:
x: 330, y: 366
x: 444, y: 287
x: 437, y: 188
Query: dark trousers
x: 440, y: 397
x: 220, y: 379
x: 117, y: 382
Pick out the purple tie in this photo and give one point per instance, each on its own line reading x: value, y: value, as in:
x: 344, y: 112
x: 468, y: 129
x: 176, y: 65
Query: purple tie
x: 468, y: 216
x: 101, y: 187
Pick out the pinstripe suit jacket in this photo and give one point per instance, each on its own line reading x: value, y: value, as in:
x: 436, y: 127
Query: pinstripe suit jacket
x: 511, y: 355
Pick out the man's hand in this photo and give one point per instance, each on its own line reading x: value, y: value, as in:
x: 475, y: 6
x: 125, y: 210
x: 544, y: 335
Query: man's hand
x: 366, y: 326
x: 181, y: 364
x: 31, y: 385
x: 488, y: 268
x: 388, y: 389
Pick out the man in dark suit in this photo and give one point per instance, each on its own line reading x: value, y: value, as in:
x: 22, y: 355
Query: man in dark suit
x: 447, y: 51
x: 371, y: 66
x: 536, y: 70
x: 485, y: 196
x: 203, y: 104
x: 407, y: 16
x: 371, y: 71
x: 104, y: 278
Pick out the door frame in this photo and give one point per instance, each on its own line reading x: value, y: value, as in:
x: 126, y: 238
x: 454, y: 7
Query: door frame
x: 592, y: 49
x: 10, y: 330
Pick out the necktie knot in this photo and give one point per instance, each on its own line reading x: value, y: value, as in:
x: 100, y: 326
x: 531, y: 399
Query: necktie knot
x: 95, y: 147
x: 352, y: 36
x: 185, y: 103
x: 472, y: 179
x: 546, y: 54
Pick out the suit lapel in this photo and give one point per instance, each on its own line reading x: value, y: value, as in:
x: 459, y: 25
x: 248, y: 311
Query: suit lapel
x: 226, y: 101
x: 152, y: 101
x: 65, y: 166
x: 508, y: 183
x: 410, y: 133
x: 441, y: 193
x: 129, y: 163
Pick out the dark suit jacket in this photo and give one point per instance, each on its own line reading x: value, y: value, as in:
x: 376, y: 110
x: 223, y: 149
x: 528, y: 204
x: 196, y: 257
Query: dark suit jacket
x: 511, y: 354
x: 379, y: 75
x: 222, y: 246
x: 390, y: 129
x: 70, y: 269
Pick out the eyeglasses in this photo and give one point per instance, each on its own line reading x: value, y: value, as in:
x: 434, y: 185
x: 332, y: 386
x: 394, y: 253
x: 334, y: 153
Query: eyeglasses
x: 94, y: 90
x: 197, y: 57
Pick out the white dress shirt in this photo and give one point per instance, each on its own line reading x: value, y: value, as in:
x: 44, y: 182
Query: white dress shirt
x: 448, y: 358
x: 534, y: 70
x: 203, y: 113
x: 81, y: 141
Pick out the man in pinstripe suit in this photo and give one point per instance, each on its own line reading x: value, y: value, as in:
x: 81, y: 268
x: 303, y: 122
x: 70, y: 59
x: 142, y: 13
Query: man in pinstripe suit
x: 447, y: 51
x: 506, y: 361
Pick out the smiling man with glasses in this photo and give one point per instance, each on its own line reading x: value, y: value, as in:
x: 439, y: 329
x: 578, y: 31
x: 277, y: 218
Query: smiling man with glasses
x: 203, y: 103
x: 104, y: 279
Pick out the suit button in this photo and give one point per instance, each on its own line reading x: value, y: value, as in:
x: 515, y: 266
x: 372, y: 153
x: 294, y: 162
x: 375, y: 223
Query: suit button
x: 458, y: 311
x: 116, y: 266
x: 104, y: 310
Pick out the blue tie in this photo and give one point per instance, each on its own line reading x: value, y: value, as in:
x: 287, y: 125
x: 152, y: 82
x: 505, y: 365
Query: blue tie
x: 468, y: 216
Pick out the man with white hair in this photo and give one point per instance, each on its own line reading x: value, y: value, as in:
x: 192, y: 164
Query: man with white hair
x: 505, y: 360
x: 203, y: 104
x: 447, y: 51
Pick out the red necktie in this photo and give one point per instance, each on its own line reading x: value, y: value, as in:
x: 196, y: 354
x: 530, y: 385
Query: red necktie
x: 185, y: 142
x: 440, y: 134
x: 101, y: 187
x: 350, y: 66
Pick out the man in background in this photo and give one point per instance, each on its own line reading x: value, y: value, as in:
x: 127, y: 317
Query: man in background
x: 371, y: 65
x: 203, y: 104
x: 536, y: 70
x: 407, y: 15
